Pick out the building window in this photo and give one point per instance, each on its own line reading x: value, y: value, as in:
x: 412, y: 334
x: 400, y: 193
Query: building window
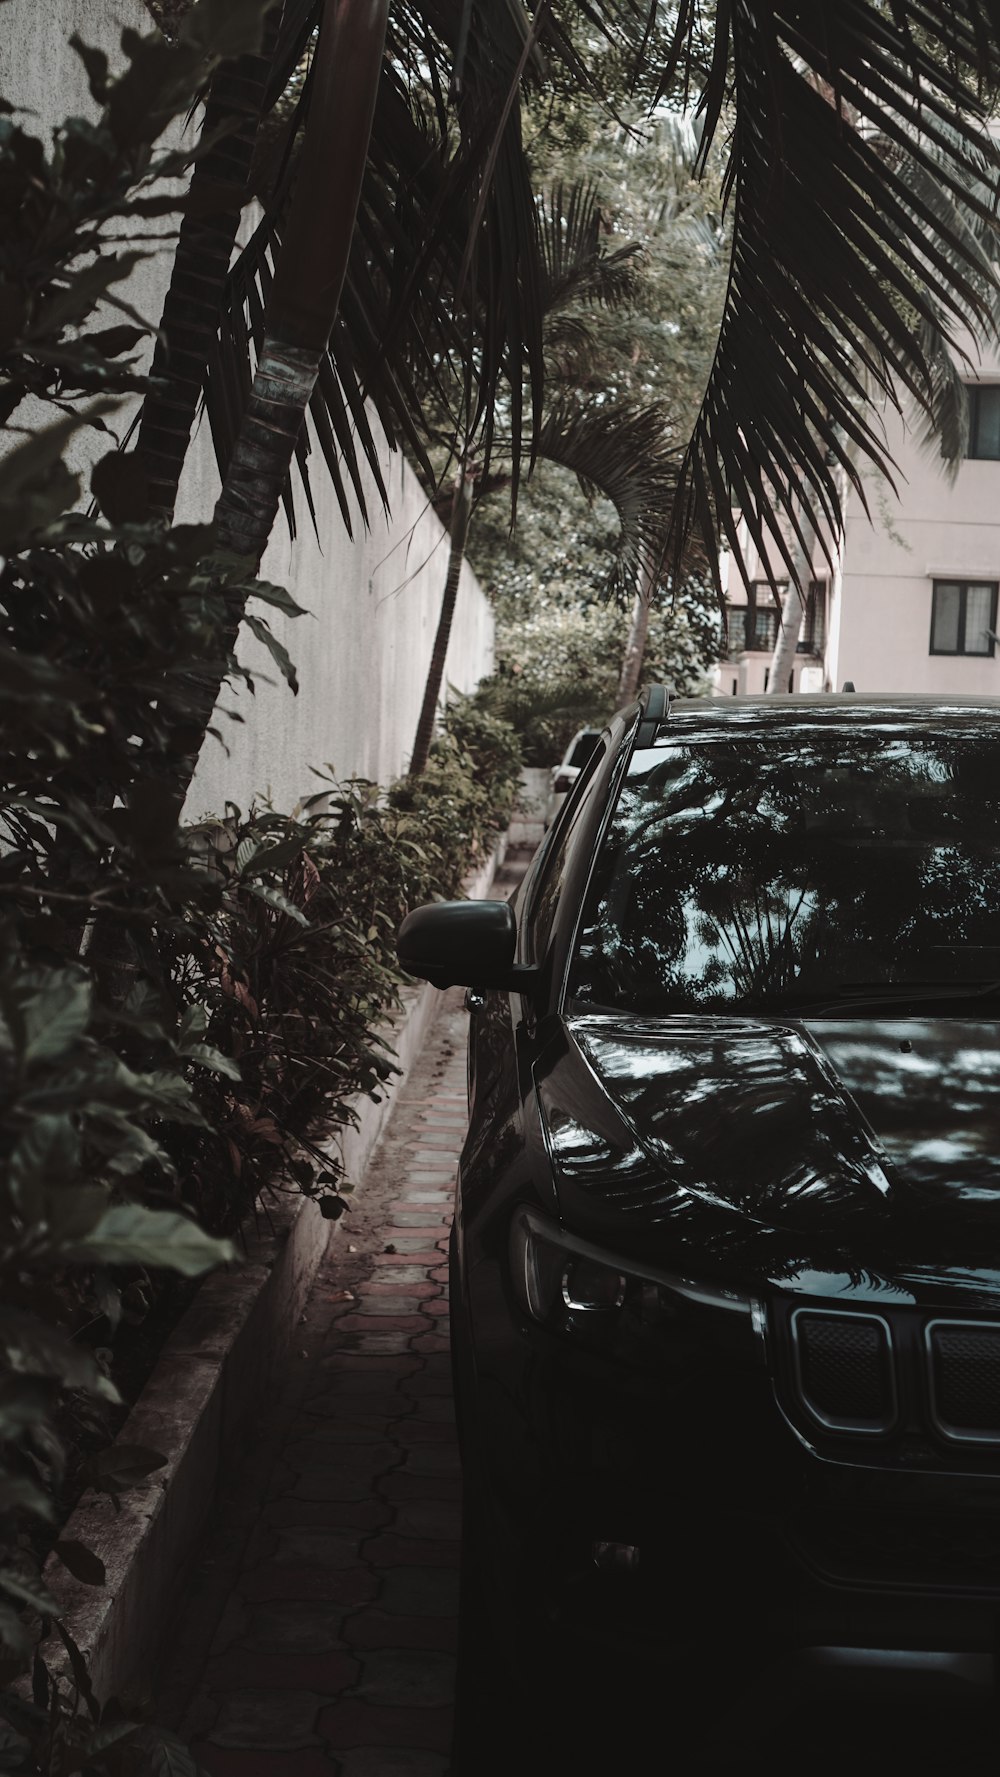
x: 984, y: 424
x: 963, y: 616
x: 753, y: 628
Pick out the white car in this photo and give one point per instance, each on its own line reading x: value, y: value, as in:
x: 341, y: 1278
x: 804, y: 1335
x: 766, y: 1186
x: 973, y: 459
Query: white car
x: 565, y: 774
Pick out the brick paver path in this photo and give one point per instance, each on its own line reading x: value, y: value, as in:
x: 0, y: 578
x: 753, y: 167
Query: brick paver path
x: 320, y: 1637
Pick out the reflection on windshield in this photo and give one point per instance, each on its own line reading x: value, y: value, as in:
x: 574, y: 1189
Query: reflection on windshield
x: 768, y: 871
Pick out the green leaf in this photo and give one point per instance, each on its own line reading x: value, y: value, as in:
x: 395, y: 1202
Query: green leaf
x: 208, y: 1057
x: 273, y: 897
x: 19, y: 1494
x: 126, y: 1465
x: 194, y: 1023
x: 81, y: 1562
x: 120, y: 486
x: 78, y: 1666
x: 34, y: 1349
x: 107, y: 1735
x: 277, y: 650
x: 169, y: 1758
x: 47, y: 1153
x: 14, y: 1749
x: 56, y: 1016
x: 278, y: 596
x: 70, y: 1211
x: 13, y: 1634
x: 29, y: 1590
x: 129, y: 1234
x: 274, y: 857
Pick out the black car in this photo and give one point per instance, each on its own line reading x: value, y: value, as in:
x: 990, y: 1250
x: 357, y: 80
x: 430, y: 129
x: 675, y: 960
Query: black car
x: 726, y: 1254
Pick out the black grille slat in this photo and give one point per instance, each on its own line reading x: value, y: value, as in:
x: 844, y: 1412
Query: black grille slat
x: 845, y: 1370
x: 965, y: 1379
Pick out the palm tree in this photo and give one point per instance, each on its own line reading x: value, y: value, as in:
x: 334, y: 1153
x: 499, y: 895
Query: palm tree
x: 615, y: 445
x: 834, y: 255
x: 220, y: 186
x: 838, y: 261
x: 965, y: 212
x: 458, y: 532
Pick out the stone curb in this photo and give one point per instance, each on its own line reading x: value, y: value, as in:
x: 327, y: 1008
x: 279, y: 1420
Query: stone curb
x: 218, y: 1367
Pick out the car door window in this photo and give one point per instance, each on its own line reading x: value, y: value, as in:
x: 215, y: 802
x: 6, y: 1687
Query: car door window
x: 552, y: 865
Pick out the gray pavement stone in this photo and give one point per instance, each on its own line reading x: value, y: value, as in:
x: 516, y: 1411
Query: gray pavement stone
x: 283, y: 1627
x: 392, y: 1761
x: 327, y: 1548
x: 428, y: 1518
x: 432, y: 1459
x: 283, y: 1720
x: 407, y: 1677
x: 382, y: 1305
x: 334, y: 1649
x: 411, y: 1243
x: 377, y: 1340
x: 434, y: 1406
x: 419, y: 1591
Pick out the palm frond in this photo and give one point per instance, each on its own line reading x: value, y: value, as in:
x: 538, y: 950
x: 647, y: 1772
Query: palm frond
x: 620, y: 450
x: 576, y: 264
x: 840, y: 266
x: 444, y: 285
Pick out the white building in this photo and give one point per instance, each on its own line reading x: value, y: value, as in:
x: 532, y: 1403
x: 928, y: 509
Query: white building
x: 911, y: 603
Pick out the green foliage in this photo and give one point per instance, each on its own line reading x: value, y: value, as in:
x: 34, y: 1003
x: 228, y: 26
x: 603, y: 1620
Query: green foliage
x: 626, y: 368
x: 185, y: 1014
x: 558, y: 667
x: 291, y: 974
x: 56, y: 209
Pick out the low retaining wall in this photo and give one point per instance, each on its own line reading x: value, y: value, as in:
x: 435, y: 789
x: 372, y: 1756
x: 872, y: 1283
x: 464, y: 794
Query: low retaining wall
x: 222, y: 1360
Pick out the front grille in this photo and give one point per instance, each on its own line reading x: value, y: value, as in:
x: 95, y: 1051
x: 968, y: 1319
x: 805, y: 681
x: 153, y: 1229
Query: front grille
x: 844, y: 1369
x: 965, y: 1379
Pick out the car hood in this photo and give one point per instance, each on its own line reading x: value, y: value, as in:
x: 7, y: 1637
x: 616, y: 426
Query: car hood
x: 858, y: 1144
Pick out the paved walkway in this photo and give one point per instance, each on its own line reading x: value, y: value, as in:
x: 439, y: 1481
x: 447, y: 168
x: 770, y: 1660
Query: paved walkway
x: 319, y: 1640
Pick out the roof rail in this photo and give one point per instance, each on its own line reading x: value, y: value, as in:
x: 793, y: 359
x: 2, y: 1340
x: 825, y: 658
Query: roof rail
x: 657, y: 708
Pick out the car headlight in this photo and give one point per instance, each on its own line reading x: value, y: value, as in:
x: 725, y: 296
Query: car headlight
x: 574, y: 1287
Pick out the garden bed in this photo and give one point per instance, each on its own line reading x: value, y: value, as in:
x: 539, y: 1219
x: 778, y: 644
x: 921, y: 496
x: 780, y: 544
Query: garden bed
x: 221, y: 1361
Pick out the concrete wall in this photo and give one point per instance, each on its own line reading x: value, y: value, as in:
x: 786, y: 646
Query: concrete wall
x: 362, y: 652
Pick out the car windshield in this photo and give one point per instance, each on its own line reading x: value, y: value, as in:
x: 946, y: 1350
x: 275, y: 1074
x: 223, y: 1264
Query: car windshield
x: 783, y: 869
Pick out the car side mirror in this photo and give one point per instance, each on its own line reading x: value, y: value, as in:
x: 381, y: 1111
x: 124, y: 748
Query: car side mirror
x: 463, y: 944
x: 564, y: 779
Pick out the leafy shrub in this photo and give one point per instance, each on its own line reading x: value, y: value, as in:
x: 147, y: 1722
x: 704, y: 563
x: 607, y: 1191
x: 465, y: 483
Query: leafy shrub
x: 294, y: 970
x: 183, y: 1014
x: 559, y: 668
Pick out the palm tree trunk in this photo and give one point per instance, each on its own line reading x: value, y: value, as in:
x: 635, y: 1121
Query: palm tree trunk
x: 301, y: 310
x: 310, y: 272
x: 461, y: 512
x: 793, y: 613
x: 191, y: 308
x: 635, y: 647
